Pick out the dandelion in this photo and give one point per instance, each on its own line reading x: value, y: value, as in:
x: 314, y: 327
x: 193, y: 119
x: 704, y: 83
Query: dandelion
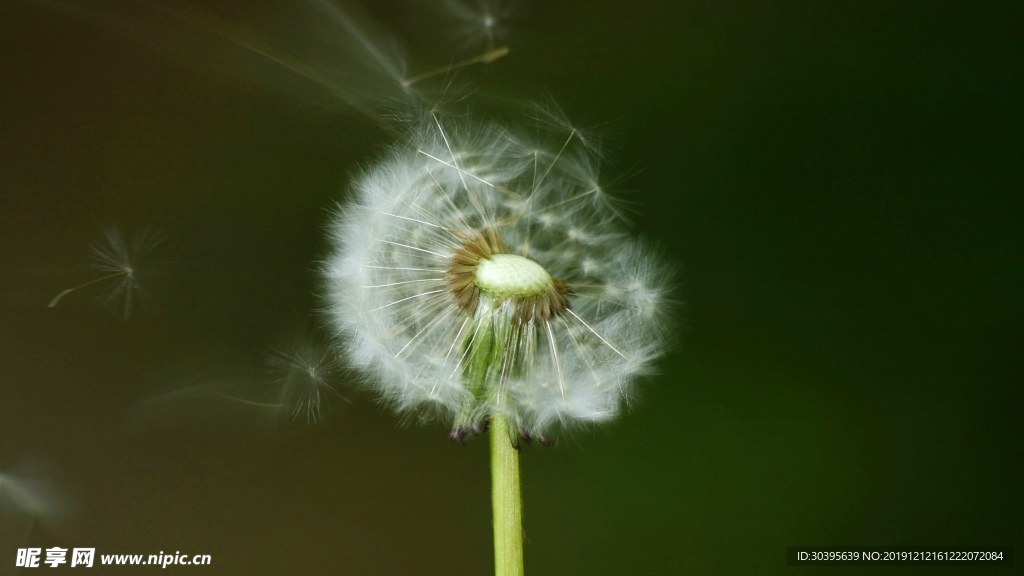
x: 118, y: 261
x: 490, y: 283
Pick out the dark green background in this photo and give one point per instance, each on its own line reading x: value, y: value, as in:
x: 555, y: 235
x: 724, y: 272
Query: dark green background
x: 839, y: 184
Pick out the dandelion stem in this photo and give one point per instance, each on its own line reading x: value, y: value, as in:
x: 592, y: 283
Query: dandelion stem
x: 483, y: 374
x: 57, y: 298
x: 506, y: 501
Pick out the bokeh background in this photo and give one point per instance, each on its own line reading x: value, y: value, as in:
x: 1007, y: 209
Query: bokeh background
x: 839, y: 184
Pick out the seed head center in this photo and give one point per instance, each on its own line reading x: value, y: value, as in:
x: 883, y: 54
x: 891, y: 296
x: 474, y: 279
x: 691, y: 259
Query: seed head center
x: 511, y: 275
x: 481, y: 267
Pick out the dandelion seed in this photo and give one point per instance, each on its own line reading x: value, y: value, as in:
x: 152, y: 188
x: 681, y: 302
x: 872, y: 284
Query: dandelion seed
x: 483, y: 22
x: 28, y: 497
x: 306, y: 376
x: 119, y: 262
x: 485, y: 58
x: 29, y: 492
x: 547, y: 312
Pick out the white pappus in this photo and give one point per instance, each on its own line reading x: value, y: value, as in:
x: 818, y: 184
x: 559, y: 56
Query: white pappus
x: 478, y: 270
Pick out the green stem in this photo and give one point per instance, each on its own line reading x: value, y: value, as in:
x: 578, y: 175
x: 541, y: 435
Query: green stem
x: 506, y: 501
x: 483, y: 375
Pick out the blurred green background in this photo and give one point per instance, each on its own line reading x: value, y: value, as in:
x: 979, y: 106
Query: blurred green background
x: 839, y: 184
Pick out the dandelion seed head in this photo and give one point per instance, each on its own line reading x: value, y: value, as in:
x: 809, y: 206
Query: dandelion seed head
x: 467, y: 243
